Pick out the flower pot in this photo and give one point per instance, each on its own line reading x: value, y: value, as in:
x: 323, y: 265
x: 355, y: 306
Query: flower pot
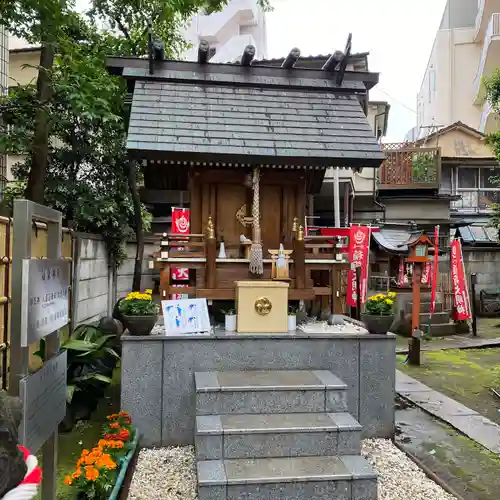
x: 230, y: 322
x: 139, y: 325
x: 292, y: 322
x: 377, y: 324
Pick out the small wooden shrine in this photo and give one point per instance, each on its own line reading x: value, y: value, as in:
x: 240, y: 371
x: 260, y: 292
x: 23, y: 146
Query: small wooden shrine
x: 249, y: 143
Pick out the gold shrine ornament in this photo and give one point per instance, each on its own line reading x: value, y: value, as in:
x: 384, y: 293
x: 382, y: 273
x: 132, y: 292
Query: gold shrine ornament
x: 263, y: 306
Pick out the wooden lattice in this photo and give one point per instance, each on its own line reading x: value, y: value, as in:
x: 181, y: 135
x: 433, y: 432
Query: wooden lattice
x: 407, y: 166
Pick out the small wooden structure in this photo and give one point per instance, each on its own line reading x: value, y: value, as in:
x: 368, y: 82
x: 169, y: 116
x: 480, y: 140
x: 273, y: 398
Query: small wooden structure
x: 418, y: 248
x: 249, y: 143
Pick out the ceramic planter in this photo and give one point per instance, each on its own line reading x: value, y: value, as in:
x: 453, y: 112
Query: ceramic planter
x: 230, y: 322
x: 139, y: 325
x: 292, y: 322
x: 377, y: 324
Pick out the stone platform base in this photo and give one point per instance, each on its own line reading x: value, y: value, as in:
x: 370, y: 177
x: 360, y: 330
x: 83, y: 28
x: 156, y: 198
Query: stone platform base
x: 158, y: 381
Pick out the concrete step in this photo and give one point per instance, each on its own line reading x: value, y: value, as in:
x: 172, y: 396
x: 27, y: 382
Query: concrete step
x: 435, y: 319
x: 294, y: 478
x: 440, y: 330
x: 276, y: 435
x: 281, y: 391
x: 425, y: 307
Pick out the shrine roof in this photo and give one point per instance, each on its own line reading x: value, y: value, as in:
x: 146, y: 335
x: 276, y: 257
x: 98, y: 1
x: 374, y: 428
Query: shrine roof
x: 249, y: 114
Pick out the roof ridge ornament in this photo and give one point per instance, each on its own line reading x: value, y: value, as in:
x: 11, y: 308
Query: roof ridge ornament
x: 248, y: 55
x: 338, y: 61
x: 203, y: 50
x: 291, y: 59
x: 156, y: 49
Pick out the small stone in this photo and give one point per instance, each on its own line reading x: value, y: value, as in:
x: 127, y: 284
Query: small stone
x: 335, y: 319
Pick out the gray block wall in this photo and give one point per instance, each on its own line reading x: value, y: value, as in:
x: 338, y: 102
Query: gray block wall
x: 92, y: 279
x: 486, y: 263
x: 126, y: 271
x: 158, y: 387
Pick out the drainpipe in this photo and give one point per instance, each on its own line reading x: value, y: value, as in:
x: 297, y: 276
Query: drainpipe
x: 379, y: 137
x: 336, y: 196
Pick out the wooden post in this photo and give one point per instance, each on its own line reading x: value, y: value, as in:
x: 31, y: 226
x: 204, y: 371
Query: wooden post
x: 299, y: 259
x: 164, y: 282
x: 358, y: 293
x: 414, y: 344
x: 211, y: 256
x: 211, y: 269
x: 473, y: 282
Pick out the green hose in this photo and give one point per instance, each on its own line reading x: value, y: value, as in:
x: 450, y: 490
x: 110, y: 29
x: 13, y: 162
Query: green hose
x: 124, y: 463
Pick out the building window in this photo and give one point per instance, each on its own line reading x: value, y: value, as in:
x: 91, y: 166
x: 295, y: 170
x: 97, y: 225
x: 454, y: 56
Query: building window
x: 476, y: 188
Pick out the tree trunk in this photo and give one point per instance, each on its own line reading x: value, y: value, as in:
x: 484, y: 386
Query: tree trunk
x: 40, y: 147
x: 139, y: 231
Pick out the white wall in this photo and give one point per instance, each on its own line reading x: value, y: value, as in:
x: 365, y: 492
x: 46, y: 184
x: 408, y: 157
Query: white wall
x: 240, y: 23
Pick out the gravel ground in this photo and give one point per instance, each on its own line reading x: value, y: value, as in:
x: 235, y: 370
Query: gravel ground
x: 399, y: 477
x: 170, y: 474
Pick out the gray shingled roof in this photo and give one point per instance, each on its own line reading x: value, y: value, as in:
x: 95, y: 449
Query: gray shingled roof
x: 393, y: 240
x: 248, y: 124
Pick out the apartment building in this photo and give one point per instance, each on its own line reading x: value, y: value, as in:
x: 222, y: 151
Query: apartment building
x: 466, y: 49
x: 240, y: 23
x: 452, y: 114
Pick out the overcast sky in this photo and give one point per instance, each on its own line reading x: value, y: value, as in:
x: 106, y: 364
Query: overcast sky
x: 398, y: 34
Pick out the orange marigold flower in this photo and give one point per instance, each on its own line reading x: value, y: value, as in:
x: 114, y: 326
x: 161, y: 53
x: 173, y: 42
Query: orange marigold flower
x: 68, y: 481
x: 114, y: 425
x: 77, y: 473
x: 124, y: 413
x: 91, y: 473
x: 85, y: 453
x: 124, y: 434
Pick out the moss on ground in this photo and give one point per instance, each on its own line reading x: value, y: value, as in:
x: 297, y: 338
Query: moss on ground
x: 467, y: 461
x: 464, y: 375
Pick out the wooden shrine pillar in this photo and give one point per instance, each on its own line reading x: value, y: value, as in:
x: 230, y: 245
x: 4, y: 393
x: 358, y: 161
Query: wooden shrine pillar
x: 299, y: 259
x: 211, y: 256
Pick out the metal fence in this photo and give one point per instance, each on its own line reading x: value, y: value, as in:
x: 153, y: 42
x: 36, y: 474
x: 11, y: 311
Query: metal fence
x: 39, y: 246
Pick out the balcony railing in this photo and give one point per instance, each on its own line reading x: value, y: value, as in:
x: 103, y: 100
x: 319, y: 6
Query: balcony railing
x: 476, y: 201
x: 492, y: 33
x: 479, y: 17
x: 409, y: 167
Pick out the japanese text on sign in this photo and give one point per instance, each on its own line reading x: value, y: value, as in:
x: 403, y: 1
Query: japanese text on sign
x: 359, y: 245
x: 45, y: 298
x: 44, y: 402
x: 460, y: 294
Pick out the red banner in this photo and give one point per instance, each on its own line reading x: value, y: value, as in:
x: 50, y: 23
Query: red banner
x: 435, y: 269
x: 426, y: 274
x: 459, y: 282
x: 180, y: 225
x: 359, y: 246
x: 180, y: 220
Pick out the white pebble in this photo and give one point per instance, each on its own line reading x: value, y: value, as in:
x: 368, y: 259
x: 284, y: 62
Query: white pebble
x: 170, y: 474
x: 399, y: 478
x: 164, y: 473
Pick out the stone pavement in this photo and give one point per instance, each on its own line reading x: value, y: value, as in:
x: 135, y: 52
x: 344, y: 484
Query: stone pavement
x: 455, y: 342
x: 469, y: 422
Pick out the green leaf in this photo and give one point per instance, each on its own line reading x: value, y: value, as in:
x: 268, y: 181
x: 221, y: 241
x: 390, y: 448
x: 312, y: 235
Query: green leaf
x: 93, y: 376
x: 79, y: 345
x: 70, y: 391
